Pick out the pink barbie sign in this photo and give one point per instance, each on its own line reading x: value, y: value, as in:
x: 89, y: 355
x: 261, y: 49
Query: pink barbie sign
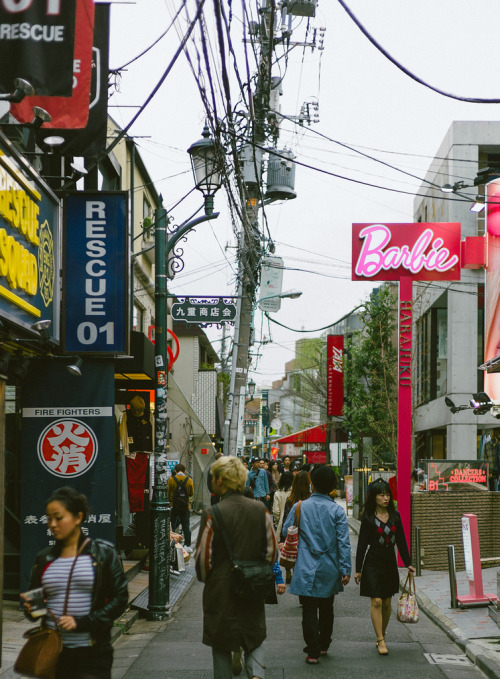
x: 389, y: 252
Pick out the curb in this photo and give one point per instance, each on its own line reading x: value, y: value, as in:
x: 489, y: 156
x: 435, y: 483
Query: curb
x: 488, y: 666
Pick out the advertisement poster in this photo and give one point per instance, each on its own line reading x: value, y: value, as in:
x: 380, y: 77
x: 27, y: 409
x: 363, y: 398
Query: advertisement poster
x: 335, y: 375
x: 445, y: 475
x: 68, y: 439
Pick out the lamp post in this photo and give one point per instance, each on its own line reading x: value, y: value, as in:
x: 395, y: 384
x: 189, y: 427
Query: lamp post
x: 205, y: 163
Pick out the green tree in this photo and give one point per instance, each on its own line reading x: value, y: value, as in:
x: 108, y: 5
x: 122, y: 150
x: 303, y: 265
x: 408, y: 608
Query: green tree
x: 370, y: 375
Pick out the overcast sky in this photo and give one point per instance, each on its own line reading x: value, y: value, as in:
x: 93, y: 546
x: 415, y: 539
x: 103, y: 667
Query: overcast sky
x: 364, y: 102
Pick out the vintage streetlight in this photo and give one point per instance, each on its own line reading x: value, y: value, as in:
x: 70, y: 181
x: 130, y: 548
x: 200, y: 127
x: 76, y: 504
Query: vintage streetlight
x: 205, y: 162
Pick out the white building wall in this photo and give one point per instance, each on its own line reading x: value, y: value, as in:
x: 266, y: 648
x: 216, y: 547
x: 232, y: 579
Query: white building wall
x: 465, y: 141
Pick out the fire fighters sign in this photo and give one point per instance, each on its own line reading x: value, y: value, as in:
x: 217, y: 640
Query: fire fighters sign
x: 68, y: 439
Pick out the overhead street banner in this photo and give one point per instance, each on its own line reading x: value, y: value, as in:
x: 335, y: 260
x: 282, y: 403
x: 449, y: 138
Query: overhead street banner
x: 37, y: 43
x: 95, y: 260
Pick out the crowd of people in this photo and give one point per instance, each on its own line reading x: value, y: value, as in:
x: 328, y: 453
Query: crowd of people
x: 255, y: 505
x: 258, y: 501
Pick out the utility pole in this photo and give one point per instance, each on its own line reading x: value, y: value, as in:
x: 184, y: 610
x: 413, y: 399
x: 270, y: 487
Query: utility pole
x: 264, y: 118
x: 249, y: 250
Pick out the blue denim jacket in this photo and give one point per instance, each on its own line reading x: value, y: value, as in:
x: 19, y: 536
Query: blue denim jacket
x: 261, y: 482
x: 324, y: 553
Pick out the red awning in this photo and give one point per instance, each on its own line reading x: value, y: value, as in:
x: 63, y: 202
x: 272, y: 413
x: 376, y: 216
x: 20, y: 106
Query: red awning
x: 315, y: 434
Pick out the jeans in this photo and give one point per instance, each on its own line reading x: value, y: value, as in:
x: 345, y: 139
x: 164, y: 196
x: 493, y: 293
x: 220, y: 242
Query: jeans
x: 317, y: 623
x: 254, y: 663
x: 183, y: 519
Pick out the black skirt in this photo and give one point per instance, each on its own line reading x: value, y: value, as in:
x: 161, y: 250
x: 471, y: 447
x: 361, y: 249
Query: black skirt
x: 379, y: 575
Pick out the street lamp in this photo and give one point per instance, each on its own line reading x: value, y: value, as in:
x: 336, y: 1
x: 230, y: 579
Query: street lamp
x: 288, y: 294
x: 205, y: 162
x: 206, y: 168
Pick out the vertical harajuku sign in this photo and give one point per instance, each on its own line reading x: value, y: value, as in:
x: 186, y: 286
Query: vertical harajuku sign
x: 404, y: 253
x: 95, y: 273
x: 335, y: 375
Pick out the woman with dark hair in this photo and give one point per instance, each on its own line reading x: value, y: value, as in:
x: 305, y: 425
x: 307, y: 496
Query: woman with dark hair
x: 98, y: 589
x: 280, y: 498
x: 301, y: 490
x: 376, y: 569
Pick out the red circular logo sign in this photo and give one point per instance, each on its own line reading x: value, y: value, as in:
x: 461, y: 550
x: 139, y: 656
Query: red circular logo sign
x: 67, y: 448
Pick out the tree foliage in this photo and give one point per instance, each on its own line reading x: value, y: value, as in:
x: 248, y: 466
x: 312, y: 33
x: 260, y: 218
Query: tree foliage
x: 370, y: 375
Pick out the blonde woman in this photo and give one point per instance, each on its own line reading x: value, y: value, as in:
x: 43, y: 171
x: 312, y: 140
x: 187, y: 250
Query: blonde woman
x: 230, y: 623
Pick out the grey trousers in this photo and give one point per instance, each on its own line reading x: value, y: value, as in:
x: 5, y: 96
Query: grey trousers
x: 253, y: 663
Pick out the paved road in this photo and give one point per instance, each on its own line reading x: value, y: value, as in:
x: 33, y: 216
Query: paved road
x: 173, y: 649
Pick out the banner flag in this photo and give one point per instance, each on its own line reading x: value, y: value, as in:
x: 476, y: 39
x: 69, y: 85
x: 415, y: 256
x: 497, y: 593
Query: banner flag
x: 37, y: 43
x: 68, y: 112
x: 335, y: 374
x: 68, y: 439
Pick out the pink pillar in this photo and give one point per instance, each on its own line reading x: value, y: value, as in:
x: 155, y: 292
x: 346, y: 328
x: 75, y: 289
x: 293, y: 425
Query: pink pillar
x: 405, y: 314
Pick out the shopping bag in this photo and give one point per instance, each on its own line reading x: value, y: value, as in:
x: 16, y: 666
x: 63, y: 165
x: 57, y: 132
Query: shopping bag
x: 289, y: 551
x: 407, y: 611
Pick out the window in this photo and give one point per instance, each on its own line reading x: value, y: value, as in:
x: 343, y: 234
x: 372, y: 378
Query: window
x: 431, y: 358
x: 138, y: 323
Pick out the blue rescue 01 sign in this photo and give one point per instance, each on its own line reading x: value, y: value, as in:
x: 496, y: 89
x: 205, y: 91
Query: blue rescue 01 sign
x: 95, y: 273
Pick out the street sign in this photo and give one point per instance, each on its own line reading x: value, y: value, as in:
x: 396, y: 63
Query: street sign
x: 205, y: 311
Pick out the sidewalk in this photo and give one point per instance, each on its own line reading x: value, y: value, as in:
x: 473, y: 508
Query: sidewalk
x: 471, y: 629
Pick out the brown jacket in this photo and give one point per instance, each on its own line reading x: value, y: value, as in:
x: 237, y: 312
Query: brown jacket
x: 229, y: 623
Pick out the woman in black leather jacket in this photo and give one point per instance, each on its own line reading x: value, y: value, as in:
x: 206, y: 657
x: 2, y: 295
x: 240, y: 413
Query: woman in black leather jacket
x: 98, y: 592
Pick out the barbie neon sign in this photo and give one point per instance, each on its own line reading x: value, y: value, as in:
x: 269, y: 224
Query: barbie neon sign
x: 418, y: 251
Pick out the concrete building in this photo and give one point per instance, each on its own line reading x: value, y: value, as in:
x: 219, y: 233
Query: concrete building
x: 449, y: 316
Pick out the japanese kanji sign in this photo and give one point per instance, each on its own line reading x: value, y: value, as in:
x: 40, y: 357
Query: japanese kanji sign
x: 68, y: 439
x: 205, y: 310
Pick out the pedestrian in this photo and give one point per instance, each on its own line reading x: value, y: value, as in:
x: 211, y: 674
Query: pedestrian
x: 180, y: 491
x: 323, y: 565
x: 213, y: 497
x: 301, y: 490
x: 280, y: 498
x: 230, y: 623
x: 376, y: 569
x: 98, y: 588
x: 258, y: 481
x: 275, y: 474
x: 287, y: 464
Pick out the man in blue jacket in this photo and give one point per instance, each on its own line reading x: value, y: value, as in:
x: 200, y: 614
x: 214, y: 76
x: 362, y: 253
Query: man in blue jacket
x: 258, y: 481
x: 323, y: 564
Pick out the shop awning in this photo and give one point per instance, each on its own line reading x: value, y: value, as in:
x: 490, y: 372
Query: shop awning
x: 315, y: 434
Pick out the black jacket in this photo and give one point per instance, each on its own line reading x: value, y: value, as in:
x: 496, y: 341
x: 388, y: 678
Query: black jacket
x: 110, y: 596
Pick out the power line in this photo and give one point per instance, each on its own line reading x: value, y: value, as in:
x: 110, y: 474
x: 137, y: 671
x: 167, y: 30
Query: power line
x: 471, y: 100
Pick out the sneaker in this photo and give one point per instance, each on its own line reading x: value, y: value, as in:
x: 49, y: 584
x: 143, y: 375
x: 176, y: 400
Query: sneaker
x: 189, y: 550
x: 312, y: 661
x: 236, y: 664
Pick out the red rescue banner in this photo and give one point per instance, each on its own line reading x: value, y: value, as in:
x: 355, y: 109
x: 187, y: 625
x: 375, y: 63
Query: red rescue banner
x: 68, y: 112
x: 335, y: 373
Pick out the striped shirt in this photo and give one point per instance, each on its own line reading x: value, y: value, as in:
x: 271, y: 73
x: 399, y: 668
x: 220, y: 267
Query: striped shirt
x: 54, y: 582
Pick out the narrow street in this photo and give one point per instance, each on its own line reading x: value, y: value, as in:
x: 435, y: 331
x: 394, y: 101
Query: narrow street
x: 173, y: 649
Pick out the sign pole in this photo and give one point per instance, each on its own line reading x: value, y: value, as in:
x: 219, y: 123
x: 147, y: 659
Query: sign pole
x: 405, y: 314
